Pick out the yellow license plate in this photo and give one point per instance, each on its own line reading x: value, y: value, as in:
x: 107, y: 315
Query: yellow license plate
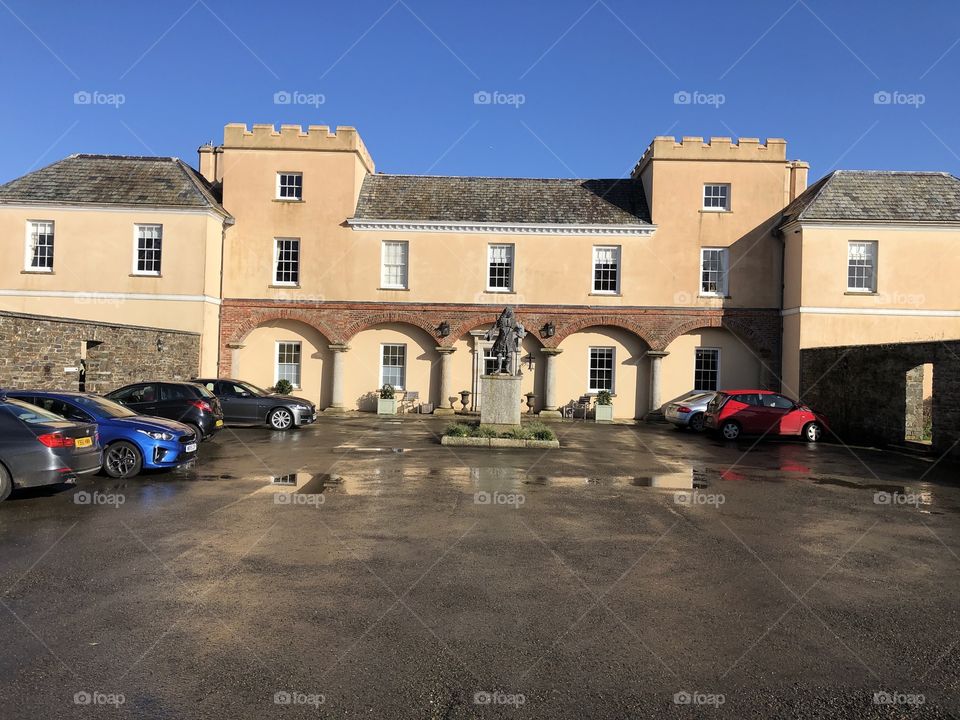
x: 84, y: 442
x: 219, y: 423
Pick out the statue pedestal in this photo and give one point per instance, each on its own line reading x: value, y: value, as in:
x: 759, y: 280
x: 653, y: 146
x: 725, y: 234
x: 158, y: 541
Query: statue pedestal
x: 500, y: 403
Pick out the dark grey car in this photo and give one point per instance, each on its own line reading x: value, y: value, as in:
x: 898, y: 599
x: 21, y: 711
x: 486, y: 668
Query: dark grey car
x: 40, y: 448
x: 246, y: 404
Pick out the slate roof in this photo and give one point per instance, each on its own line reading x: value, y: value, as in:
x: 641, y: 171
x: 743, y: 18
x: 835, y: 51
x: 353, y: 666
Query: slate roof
x: 879, y: 196
x: 502, y: 200
x: 125, y: 180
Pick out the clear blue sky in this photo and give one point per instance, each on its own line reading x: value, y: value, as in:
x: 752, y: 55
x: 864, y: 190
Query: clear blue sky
x: 598, y: 79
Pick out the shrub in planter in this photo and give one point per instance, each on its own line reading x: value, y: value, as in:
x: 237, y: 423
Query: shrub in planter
x: 387, y: 402
x: 603, y: 412
x: 283, y: 387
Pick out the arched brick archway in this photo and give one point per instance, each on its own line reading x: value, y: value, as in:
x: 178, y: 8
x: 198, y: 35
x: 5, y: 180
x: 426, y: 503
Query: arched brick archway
x: 421, y: 320
x: 568, y: 327
x: 752, y: 332
x: 251, y: 322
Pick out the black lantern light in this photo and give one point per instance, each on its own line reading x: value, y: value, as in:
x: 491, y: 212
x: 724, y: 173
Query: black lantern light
x: 443, y: 329
x: 548, y: 330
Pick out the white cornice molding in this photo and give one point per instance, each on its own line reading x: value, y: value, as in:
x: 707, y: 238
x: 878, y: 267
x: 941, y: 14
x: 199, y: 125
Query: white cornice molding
x: 878, y: 225
x: 363, y: 224
x: 106, y: 298
x: 813, y: 310
x: 94, y: 207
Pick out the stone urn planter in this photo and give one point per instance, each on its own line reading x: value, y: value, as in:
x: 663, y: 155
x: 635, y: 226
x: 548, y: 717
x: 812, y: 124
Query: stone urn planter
x: 530, y: 400
x: 464, y: 399
x: 603, y: 410
x: 386, y: 401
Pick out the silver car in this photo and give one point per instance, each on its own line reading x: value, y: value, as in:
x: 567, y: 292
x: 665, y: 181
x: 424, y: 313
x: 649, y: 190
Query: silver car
x: 687, y: 411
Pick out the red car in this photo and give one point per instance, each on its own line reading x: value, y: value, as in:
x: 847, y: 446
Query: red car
x: 760, y: 412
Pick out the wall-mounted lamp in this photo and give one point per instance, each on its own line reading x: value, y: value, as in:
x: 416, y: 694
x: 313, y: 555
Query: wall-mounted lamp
x: 443, y: 329
x: 159, y: 344
x: 548, y: 330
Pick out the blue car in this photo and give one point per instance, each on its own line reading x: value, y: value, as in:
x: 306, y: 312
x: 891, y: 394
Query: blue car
x: 130, y: 442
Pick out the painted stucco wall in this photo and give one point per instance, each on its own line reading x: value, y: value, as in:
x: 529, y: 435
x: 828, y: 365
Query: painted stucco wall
x: 92, y: 277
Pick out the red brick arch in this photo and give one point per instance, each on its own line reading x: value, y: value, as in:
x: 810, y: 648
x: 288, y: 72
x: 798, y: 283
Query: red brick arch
x: 259, y: 317
x: 747, y: 331
x: 566, y: 328
x: 408, y: 317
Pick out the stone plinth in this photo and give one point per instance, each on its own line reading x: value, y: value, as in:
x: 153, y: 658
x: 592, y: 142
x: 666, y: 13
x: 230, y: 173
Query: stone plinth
x: 501, y: 400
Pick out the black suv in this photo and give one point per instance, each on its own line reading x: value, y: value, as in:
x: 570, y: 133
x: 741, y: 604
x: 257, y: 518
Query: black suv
x: 186, y: 402
x: 246, y: 404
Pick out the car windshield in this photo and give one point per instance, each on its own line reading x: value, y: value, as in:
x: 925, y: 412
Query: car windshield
x: 31, y: 414
x: 253, y: 389
x: 102, y: 406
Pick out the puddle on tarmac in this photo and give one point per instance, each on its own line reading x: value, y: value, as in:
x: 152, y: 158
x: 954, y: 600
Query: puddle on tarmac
x: 372, y: 449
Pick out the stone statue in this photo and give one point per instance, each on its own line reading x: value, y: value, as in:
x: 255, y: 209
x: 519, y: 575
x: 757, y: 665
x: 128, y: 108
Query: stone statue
x: 508, y: 333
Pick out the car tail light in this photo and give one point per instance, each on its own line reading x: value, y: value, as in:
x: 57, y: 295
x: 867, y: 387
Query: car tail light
x: 202, y: 405
x: 56, y: 440
x: 683, y: 409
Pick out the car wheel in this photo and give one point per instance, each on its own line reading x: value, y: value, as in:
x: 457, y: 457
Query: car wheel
x: 696, y: 422
x: 122, y: 460
x: 813, y: 432
x: 730, y: 430
x: 6, y: 483
x: 197, y: 432
x: 281, y: 419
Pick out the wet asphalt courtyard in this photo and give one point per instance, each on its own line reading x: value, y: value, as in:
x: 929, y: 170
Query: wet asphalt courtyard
x: 356, y: 568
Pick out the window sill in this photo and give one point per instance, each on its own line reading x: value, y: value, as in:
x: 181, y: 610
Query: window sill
x: 294, y: 201
x: 866, y: 293
x: 37, y: 272
x: 394, y: 289
x: 285, y: 286
x: 716, y: 211
x: 594, y: 393
x: 711, y: 296
x: 605, y: 294
x: 500, y: 291
x: 146, y: 275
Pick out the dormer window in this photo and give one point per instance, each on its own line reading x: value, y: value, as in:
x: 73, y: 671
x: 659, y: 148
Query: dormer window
x: 289, y: 186
x: 716, y: 197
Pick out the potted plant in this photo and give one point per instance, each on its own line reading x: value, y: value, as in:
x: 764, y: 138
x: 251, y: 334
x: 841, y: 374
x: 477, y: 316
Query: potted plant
x: 464, y: 399
x: 283, y: 387
x: 387, y: 401
x: 603, y: 412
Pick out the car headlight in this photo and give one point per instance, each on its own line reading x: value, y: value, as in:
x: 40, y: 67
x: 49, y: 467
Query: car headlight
x: 301, y: 407
x: 157, y: 435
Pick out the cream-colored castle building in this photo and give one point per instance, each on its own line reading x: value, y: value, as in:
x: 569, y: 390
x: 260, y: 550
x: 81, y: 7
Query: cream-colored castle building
x: 712, y: 265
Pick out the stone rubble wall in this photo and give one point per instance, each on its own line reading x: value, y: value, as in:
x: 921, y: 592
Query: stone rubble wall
x: 863, y: 391
x: 36, y: 349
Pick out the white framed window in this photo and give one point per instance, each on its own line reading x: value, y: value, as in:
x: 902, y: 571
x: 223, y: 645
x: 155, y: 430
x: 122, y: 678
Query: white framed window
x: 393, y: 365
x: 716, y: 197
x: 394, y: 257
x: 862, y: 266
x: 289, y: 186
x: 490, y: 362
x: 500, y: 268
x: 706, y: 369
x: 601, y: 372
x: 39, y: 250
x: 286, y: 261
x: 288, y: 362
x: 606, y: 269
x: 713, y: 271
x: 147, y: 249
